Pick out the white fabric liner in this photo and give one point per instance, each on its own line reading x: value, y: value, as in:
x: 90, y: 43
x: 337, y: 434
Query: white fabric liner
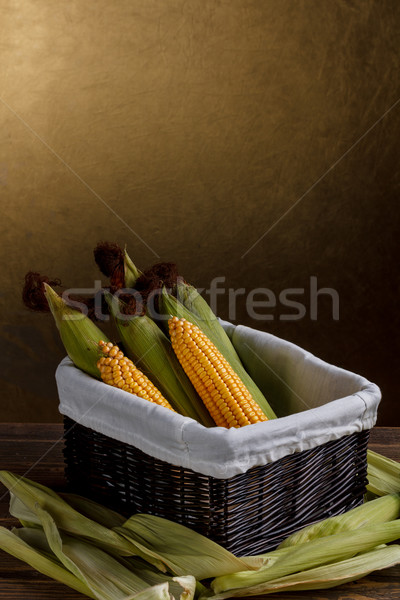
x: 323, y: 402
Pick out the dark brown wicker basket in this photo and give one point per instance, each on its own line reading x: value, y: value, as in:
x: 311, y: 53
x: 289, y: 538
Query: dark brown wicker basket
x: 247, y: 514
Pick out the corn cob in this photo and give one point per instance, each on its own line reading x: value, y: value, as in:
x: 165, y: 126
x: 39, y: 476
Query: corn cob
x: 149, y: 347
x: 208, y: 323
x: 226, y: 397
x: 118, y: 371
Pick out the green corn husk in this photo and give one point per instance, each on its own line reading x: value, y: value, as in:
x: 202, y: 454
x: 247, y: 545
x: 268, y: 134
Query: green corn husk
x: 211, y: 327
x: 109, y: 518
x: 151, y: 350
x: 87, y: 569
x: 322, y: 551
x: 376, y: 511
x: 148, y: 572
x: 182, y: 550
x: 94, y: 511
x: 104, y: 575
x: 132, y: 273
x: 319, y: 578
x: 383, y: 474
x: 27, y: 496
x: 17, y: 547
x: 93, y: 561
x: 158, y: 592
x: 97, y: 574
x: 78, y: 333
x: 35, y: 538
x: 153, y: 577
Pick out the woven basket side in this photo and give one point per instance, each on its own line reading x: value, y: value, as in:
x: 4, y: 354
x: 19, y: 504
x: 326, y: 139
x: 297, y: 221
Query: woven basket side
x: 247, y: 514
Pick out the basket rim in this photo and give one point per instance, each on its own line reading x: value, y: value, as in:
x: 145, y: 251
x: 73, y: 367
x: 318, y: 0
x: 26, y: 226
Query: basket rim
x: 217, y: 452
x: 340, y: 403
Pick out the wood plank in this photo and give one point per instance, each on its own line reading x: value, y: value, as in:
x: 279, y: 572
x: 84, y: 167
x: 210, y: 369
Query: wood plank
x: 365, y: 589
x: 53, y: 431
x: 386, y: 441
x: 24, y: 454
x: 35, y: 586
x: 30, y: 431
x: 36, y: 589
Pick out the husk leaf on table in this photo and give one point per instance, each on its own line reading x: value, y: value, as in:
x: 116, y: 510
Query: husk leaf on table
x: 92, y: 571
x: 31, y: 495
x: 317, y: 552
x: 181, y: 549
x: 376, y: 511
x: 383, y: 474
x: 17, y: 547
x: 323, y: 577
x: 94, y: 511
x: 107, y: 558
x: 157, y: 592
x: 152, y: 576
x: 103, y: 574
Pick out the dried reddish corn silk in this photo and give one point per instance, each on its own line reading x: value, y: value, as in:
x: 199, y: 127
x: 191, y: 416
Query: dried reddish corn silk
x: 224, y: 394
x: 118, y: 371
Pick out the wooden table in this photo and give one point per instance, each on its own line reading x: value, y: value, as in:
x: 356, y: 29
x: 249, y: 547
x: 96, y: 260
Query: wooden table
x: 36, y: 450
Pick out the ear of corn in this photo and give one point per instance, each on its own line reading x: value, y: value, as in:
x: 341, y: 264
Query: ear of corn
x: 78, y: 333
x: 118, y: 371
x: 148, y: 346
x: 211, y: 327
x: 194, y: 302
x: 225, y: 396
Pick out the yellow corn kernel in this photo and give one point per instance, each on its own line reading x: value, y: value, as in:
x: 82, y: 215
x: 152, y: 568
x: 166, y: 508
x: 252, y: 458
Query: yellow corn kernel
x: 120, y: 372
x: 224, y: 394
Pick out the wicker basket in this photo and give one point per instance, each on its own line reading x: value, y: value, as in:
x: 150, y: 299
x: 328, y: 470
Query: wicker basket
x: 247, y: 513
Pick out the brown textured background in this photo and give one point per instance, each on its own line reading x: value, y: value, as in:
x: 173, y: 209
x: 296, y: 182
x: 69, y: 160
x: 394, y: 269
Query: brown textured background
x: 200, y: 123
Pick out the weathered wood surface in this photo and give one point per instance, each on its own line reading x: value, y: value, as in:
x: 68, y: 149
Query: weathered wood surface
x: 36, y: 450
